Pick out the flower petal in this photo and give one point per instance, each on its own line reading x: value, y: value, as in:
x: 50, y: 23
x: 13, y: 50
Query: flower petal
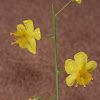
x: 70, y: 66
x: 32, y: 45
x: 20, y: 28
x: 23, y: 42
x: 29, y: 99
x: 29, y: 25
x: 91, y: 66
x: 71, y: 79
x: 80, y: 59
x: 36, y: 34
x: 79, y: 1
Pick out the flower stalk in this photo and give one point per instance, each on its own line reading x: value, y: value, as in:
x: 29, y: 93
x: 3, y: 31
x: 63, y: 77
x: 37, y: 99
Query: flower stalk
x: 61, y: 71
x: 63, y: 7
x: 55, y: 51
x: 47, y: 36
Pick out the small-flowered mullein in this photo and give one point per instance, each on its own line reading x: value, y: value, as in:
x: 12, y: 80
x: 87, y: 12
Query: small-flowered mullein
x: 26, y: 35
x: 79, y: 69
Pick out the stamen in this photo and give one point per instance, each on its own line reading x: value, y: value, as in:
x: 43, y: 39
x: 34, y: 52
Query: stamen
x: 83, y: 81
x: 13, y: 43
x: 11, y: 33
x: 84, y: 86
x: 76, y: 85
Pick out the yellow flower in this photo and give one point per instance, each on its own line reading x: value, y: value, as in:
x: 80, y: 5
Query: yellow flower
x: 79, y: 69
x: 26, y: 35
x: 31, y: 99
x: 78, y: 1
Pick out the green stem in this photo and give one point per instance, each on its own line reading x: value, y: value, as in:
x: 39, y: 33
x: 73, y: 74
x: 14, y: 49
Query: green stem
x: 61, y: 71
x: 55, y: 51
x: 47, y: 36
x: 63, y: 7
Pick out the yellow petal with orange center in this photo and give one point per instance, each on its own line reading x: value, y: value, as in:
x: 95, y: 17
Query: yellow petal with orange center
x: 80, y: 59
x: 36, y: 34
x: 21, y: 28
x: 91, y: 66
x: 23, y: 42
x: 71, y: 79
x: 70, y: 66
x: 29, y: 25
x: 31, y: 45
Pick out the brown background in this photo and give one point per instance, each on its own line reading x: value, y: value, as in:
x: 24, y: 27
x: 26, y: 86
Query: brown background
x: 23, y: 74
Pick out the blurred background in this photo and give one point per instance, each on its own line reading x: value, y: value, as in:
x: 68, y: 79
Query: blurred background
x: 23, y: 74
